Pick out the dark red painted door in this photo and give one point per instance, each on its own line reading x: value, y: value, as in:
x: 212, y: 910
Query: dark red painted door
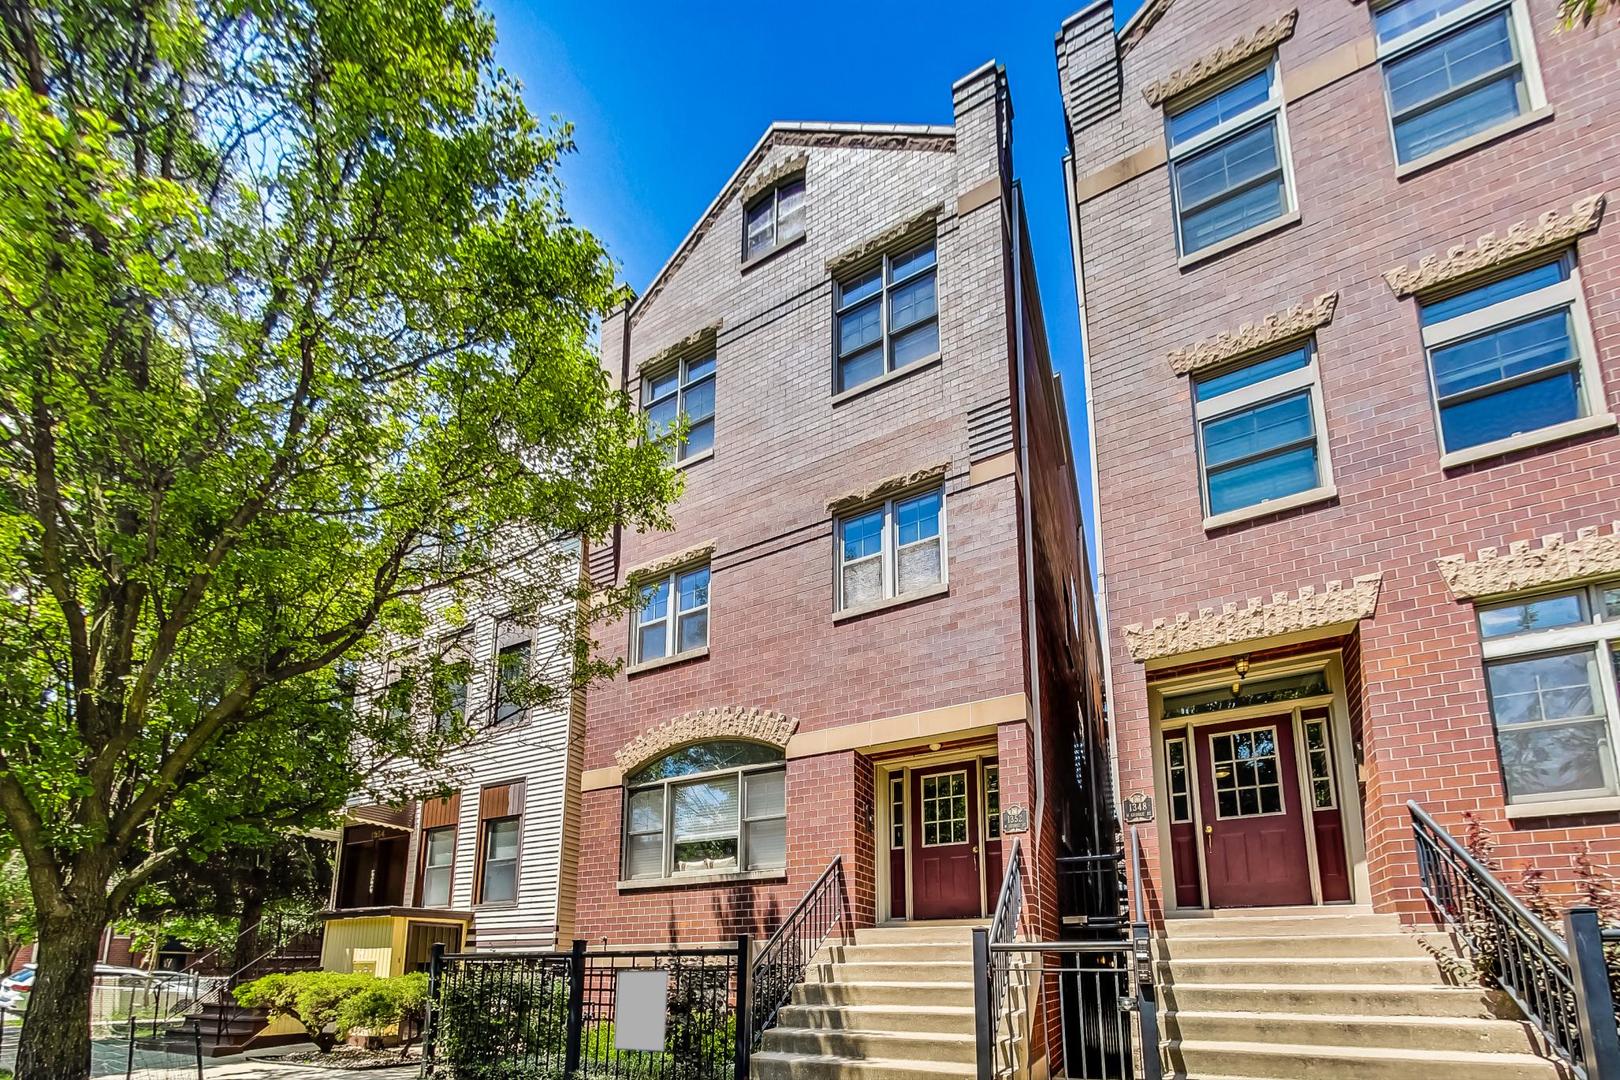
x: 945, y: 842
x: 1254, y: 826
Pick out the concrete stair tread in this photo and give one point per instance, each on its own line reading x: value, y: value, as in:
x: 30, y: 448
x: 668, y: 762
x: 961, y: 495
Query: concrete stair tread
x: 1349, y: 988
x: 873, y: 1010
x: 942, y: 1068
x: 1363, y: 1053
x: 1360, y: 1018
x: 881, y: 1034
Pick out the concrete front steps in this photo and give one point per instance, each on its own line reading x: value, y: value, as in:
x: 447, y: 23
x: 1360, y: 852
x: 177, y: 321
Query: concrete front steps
x: 895, y: 1005
x: 1327, y: 995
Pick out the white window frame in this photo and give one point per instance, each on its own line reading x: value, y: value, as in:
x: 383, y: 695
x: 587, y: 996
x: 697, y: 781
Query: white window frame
x: 897, y: 812
x: 885, y: 295
x: 1171, y: 770
x: 1600, y: 633
x: 1325, y: 756
x: 1282, y: 776
x: 1272, y: 110
x: 922, y: 814
x: 666, y: 828
x: 1564, y: 294
x: 672, y: 615
x: 684, y: 384
x: 509, y: 643
x: 449, y: 868
x: 1275, y: 388
x: 890, y: 552
x: 485, y: 827
x: 774, y: 197
x: 991, y: 783
x: 1521, y: 37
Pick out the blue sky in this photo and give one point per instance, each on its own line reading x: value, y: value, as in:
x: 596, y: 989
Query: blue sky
x: 667, y: 98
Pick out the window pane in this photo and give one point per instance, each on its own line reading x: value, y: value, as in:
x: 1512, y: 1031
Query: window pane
x: 661, y: 417
x: 717, y: 854
x: 854, y: 370
x: 693, y: 587
x: 1226, y: 165
x: 1266, y: 478
x: 767, y: 794
x: 1258, y: 429
x: 693, y: 631
x: 1543, y: 613
x: 868, y: 284
x: 1265, y: 692
x: 918, y: 518
x: 698, y: 400
x: 436, y: 886
x: 1398, y: 19
x: 501, y: 839
x: 1516, y: 349
x: 1214, y: 111
x: 1562, y: 686
x: 859, y: 328
x: 1243, y: 211
x: 863, y: 535
x: 918, y: 567
x: 646, y: 856
x: 655, y: 601
x: 512, y: 676
x: 500, y: 882
x: 790, y: 210
x: 1530, y: 407
x: 699, y: 437
x: 767, y: 844
x: 1479, y: 109
x: 705, y: 809
x: 1561, y: 758
x: 696, y: 369
x: 706, y: 757
x: 917, y: 344
x: 1520, y: 284
x: 450, y: 702
x: 863, y: 582
x: 760, y: 226
x: 650, y: 641
x: 660, y: 386
x: 902, y: 266
x: 441, y: 847
x: 1611, y: 603
x: 1249, y: 374
x: 911, y: 302
x: 1450, y: 61
x: 647, y: 811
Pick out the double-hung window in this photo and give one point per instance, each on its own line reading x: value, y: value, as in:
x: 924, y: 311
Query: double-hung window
x: 1551, y: 667
x: 674, y: 615
x: 1452, y: 69
x: 887, y: 317
x: 1510, y: 357
x: 1229, y: 169
x: 1261, y: 434
x: 774, y: 218
x: 892, y: 549
x: 511, y: 681
x: 710, y: 807
x: 498, y: 875
x: 438, y: 861
x: 685, y: 390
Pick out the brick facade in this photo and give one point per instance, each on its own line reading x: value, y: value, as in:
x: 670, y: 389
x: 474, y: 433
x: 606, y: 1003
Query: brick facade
x: 1414, y: 685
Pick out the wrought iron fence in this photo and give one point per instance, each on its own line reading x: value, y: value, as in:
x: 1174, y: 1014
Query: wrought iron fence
x: 781, y: 964
x: 528, y: 1016
x: 1091, y: 890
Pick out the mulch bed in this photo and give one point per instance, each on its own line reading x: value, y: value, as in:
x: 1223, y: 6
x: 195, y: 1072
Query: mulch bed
x: 353, y: 1057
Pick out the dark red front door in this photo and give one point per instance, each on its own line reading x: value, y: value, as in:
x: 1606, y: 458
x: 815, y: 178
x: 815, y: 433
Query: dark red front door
x: 945, y: 842
x: 1254, y: 833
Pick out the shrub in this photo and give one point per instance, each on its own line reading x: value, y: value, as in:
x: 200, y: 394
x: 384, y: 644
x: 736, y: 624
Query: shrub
x: 330, y: 1004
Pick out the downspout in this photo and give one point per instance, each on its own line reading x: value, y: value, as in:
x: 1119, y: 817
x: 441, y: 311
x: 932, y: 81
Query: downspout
x: 1101, y: 590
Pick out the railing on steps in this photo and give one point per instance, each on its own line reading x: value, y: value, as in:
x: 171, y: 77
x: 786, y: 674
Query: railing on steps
x: 1144, y: 1000
x: 1561, y: 984
x: 999, y: 1041
x: 781, y: 964
x: 294, y: 945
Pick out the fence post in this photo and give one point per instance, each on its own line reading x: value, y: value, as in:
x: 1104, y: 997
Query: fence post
x: 983, y: 1021
x: 576, y: 1007
x: 430, y: 1015
x: 129, y: 1065
x: 744, y: 1011
x: 196, y: 1039
x: 1594, y: 1000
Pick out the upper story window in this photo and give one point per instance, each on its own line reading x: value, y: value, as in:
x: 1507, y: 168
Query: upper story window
x: 892, y: 549
x: 718, y: 806
x: 1452, y: 69
x: 498, y: 876
x: 775, y: 218
x: 438, y: 864
x: 1228, y: 160
x: 450, y: 694
x: 1552, y: 664
x: 1511, y: 357
x: 684, y: 389
x: 674, y: 615
x: 888, y: 317
x: 511, y: 679
x: 1261, y: 434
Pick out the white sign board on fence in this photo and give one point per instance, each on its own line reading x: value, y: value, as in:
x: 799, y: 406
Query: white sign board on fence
x: 640, y: 1001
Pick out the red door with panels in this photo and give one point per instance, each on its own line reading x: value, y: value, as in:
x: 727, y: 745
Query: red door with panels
x: 945, y: 842
x: 1255, y: 853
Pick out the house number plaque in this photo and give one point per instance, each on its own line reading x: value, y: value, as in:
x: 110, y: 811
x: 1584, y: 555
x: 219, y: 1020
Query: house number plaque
x: 1138, y: 808
x: 1014, y: 819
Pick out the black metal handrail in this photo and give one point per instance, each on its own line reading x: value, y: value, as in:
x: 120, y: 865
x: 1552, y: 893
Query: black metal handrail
x: 781, y: 964
x: 1146, y: 1004
x: 990, y: 979
x: 1561, y: 986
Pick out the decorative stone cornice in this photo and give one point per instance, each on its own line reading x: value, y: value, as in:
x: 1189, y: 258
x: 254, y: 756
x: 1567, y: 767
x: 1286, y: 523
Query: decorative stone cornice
x: 1593, y: 553
x: 659, y: 567
x: 888, y: 486
x: 1274, y: 329
x: 706, y: 725
x: 1308, y: 610
x: 768, y: 178
x: 884, y: 240
x: 1223, y: 59
x: 690, y: 343
x: 1552, y: 230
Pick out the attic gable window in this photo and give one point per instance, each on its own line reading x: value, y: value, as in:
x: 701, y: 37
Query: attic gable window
x: 774, y: 218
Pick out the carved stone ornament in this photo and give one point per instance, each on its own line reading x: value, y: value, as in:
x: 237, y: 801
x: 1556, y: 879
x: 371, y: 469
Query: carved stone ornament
x: 888, y: 486
x: 688, y: 344
x: 659, y: 567
x: 1223, y: 59
x: 1280, y: 326
x: 707, y: 725
x: 884, y: 240
x: 1308, y: 610
x: 1593, y: 553
x: 1552, y: 230
x: 768, y: 178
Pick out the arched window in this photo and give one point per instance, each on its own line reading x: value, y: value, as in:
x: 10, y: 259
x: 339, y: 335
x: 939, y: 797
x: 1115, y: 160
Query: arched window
x: 708, y: 807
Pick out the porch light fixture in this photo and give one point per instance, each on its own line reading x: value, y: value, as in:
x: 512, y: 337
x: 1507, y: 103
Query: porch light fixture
x: 1242, y: 673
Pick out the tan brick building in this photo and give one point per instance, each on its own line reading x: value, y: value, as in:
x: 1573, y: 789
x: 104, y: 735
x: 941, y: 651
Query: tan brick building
x: 868, y: 634
x: 1351, y: 303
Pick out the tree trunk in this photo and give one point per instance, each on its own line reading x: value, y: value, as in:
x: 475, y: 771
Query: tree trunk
x: 55, y: 1040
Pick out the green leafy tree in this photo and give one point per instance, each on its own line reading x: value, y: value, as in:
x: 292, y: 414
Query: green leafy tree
x: 294, y: 351
x: 1573, y: 13
x: 18, y: 928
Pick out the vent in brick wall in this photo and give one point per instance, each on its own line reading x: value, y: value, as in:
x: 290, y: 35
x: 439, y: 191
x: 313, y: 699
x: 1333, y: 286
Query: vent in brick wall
x: 990, y: 429
x: 1088, y: 67
x: 601, y: 565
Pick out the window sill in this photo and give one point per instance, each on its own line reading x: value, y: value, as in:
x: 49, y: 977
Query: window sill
x: 1186, y: 262
x: 1473, y: 142
x: 941, y: 589
x: 695, y: 459
x: 766, y: 256
x: 1272, y: 506
x: 667, y: 661
x: 1564, y: 807
x: 718, y: 877
x: 885, y: 379
x: 504, y: 905
x: 1529, y: 439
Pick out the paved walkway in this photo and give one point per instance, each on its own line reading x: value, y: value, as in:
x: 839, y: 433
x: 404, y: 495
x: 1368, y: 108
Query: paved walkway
x: 270, y: 1069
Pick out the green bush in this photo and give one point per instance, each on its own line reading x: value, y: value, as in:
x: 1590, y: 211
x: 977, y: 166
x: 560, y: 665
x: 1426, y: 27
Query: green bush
x: 329, y: 1005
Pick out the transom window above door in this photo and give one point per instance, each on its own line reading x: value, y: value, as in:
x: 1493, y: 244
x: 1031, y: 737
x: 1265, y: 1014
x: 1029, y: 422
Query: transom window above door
x: 1229, y: 168
x: 887, y: 317
x: 891, y: 549
x: 710, y: 807
x: 1261, y: 434
x: 683, y: 390
x: 1248, y: 780
x: 1452, y: 69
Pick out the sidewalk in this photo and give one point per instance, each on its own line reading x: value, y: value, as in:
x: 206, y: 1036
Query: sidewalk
x: 270, y: 1069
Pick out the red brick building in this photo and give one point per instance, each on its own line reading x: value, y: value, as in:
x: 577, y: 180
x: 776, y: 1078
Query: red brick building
x: 1352, y: 312
x: 868, y: 634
